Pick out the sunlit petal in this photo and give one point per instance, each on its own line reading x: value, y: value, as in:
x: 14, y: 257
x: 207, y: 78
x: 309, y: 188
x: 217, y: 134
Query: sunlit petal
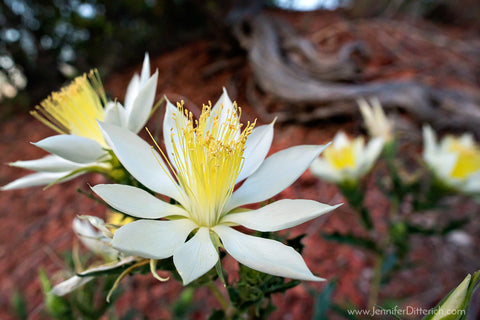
x: 142, y: 105
x: 275, y: 174
x: 152, y: 239
x: 196, y: 256
x: 256, y: 149
x: 73, y: 148
x: 265, y: 255
x: 136, y: 202
x: 141, y: 160
x: 280, y: 215
x: 50, y: 163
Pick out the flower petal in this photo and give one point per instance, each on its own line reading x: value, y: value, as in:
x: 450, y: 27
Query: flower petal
x: 472, y: 184
x: 225, y: 104
x: 322, y: 169
x: 74, y: 148
x: 142, y: 105
x: 264, y: 255
x: 69, y: 285
x: 224, y: 109
x: 93, y: 239
x: 373, y: 149
x: 429, y: 142
x: 340, y: 140
x: 275, y: 174
x: 152, y: 239
x: 173, y: 123
x: 36, y: 179
x: 139, y: 158
x: 279, y: 215
x: 196, y: 256
x: 136, y: 202
x: 256, y: 149
x: 145, y: 69
x: 132, y: 91
x: 115, y: 114
x: 50, y: 163
x: 368, y: 156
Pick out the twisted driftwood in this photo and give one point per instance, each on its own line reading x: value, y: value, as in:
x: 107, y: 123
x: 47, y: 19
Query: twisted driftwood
x: 289, y: 68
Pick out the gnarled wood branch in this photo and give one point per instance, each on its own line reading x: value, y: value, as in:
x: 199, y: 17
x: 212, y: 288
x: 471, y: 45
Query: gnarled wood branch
x: 288, y: 68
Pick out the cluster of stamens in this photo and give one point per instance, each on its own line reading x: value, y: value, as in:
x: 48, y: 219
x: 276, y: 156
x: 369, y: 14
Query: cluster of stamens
x: 208, y: 158
x: 75, y: 108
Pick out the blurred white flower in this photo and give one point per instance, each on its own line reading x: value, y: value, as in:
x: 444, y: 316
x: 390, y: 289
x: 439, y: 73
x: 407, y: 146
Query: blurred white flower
x: 347, y: 160
x: 455, y: 160
x: 96, y: 235
x: 73, y: 112
x: 94, y: 239
x: 377, y: 123
x: 207, y: 158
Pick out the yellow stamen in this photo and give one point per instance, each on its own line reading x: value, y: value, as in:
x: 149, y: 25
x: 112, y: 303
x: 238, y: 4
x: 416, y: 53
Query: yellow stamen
x: 340, y: 158
x: 75, y: 108
x: 208, y: 157
x: 468, y: 160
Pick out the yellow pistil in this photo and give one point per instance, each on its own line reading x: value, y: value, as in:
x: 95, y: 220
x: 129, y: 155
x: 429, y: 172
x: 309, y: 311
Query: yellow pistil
x: 468, y: 160
x: 340, y: 158
x: 75, y: 108
x: 208, y: 158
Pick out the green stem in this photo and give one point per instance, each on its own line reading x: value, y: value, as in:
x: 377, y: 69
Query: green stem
x: 220, y: 297
x: 376, y: 282
x: 354, y: 193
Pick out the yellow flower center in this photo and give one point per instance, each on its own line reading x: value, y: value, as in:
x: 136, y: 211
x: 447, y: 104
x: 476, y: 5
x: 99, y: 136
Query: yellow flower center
x: 75, y: 108
x: 340, y: 158
x: 468, y: 160
x: 208, y: 158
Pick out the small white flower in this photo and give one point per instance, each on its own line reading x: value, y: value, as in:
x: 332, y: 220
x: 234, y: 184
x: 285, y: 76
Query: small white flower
x: 208, y: 158
x: 95, y: 234
x: 455, y: 160
x: 377, y: 123
x: 94, y: 238
x: 347, y: 160
x: 73, y: 112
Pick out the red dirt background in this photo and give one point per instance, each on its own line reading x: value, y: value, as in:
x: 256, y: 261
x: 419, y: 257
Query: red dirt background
x: 36, y: 224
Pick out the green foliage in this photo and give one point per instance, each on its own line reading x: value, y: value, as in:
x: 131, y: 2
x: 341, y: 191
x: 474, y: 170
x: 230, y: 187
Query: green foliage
x: 19, y: 306
x: 323, y: 301
x: 252, y: 293
x: 184, y: 304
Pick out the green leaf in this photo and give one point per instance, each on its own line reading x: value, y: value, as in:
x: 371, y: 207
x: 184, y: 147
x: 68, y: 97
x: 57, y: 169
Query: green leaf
x: 19, y: 306
x: 57, y: 307
x: 184, y: 304
x: 323, y: 301
x: 217, y: 315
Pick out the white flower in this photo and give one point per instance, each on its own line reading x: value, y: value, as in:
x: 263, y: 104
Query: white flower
x: 76, y: 281
x: 455, y: 160
x: 98, y: 239
x: 207, y: 160
x: 95, y: 234
x: 73, y: 112
x: 377, y: 123
x: 347, y: 160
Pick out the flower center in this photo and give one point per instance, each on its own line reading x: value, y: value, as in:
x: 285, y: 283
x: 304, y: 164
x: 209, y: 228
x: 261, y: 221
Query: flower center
x: 340, y: 158
x: 208, y: 157
x: 75, y: 108
x: 468, y: 160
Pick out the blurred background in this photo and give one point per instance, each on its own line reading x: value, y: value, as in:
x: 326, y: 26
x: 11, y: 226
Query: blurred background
x: 302, y: 62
